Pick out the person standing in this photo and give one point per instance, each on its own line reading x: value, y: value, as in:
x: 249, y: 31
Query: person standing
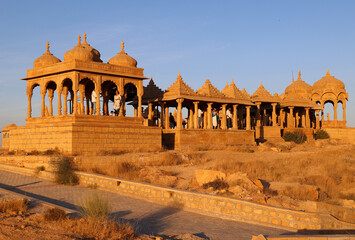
x: 117, y: 103
x: 200, y: 113
x: 214, y: 118
x: 93, y: 100
x: 229, y: 118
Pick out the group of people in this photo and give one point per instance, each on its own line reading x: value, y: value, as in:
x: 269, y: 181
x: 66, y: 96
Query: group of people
x: 117, y: 101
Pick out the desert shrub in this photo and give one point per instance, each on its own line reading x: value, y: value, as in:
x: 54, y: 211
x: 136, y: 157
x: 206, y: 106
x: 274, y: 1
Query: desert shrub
x: 296, y: 136
x: 321, y: 134
x: 15, y: 205
x: 38, y: 169
x: 54, y: 214
x: 92, y: 229
x: 34, y: 152
x: 51, y: 152
x: 217, y: 184
x: 95, y: 207
x: 11, y: 153
x: 64, y: 171
x: 245, y: 149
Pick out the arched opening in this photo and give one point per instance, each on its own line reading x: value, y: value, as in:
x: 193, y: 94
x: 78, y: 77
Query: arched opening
x: 130, y: 93
x: 36, y: 100
x: 328, y: 111
x: 86, y: 86
x: 108, y: 89
x: 340, y: 111
x: 51, y: 99
x: 68, y: 96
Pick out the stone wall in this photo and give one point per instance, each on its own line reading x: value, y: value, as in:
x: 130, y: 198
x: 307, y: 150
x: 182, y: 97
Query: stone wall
x: 196, y: 138
x: 305, y: 237
x: 84, y: 135
x: 345, y: 134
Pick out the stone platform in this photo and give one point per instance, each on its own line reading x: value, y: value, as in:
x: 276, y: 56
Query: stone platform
x: 83, y: 134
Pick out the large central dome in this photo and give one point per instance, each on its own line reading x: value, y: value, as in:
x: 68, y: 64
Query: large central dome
x: 299, y: 88
x: 123, y: 59
x: 79, y: 52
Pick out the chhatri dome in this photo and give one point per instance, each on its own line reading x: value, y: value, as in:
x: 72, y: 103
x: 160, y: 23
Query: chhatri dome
x: 79, y: 52
x: 328, y: 82
x: 123, y: 59
x: 96, y: 54
x: 299, y: 87
x: 46, y: 59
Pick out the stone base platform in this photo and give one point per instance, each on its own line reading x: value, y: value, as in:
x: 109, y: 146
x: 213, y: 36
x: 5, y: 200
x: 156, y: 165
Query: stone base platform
x: 83, y: 135
x: 204, y: 138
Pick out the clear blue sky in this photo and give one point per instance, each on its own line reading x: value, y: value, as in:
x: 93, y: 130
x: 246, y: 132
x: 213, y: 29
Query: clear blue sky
x: 250, y: 41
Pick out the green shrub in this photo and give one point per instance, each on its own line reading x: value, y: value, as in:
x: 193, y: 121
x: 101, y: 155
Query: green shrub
x: 95, y: 207
x: 217, y: 184
x: 321, y: 134
x: 64, y: 171
x: 296, y: 136
x: 54, y: 214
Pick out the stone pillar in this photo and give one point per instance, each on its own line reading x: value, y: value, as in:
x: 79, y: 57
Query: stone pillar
x: 139, y: 105
x: 209, y: 115
x: 191, y: 119
x: 179, y: 113
x: 65, y: 101
x: 75, y: 101
x: 121, y: 113
x: 162, y: 114
x: 235, y: 117
x: 196, y: 120
x: 59, y: 91
x: 308, y: 120
x: 241, y: 119
x: 43, y: 106
x: 291, y: 120
x: 282, y: 117
x: 248, y: 125
x: 98, y: 90
x: 29, y: 106
x: 135, y: 110
x: 224, y: 117
x: 274, y: 116
x: 167, y: 120
x: 265, y: 118
x: 322, y: 105
x: 317, y: 119
x: 150, y: 114
x: 50, y: 97
x: 297, y: 120
x: 204, y: 120
x: 258, y: 121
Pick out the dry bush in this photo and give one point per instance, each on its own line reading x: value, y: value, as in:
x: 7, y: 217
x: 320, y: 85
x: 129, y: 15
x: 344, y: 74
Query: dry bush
x: 15, y: 205
x: 64, y: 171
x: 54, y: 214
x: 93, y: 229
x: 217, y: 184
x: 52, y: 152
x: 34, y: 152
x: 165, y: 159
x: 95, y: 207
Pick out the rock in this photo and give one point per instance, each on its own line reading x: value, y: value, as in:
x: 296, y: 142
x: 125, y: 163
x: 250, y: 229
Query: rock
x: 274, y: 149
x: 188, y: 236
x: 206, y: 176
x: 348, y: 203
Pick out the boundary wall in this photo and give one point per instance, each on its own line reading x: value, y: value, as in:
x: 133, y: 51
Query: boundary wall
x: 196, y: 138
x: 345, y: 134
x: 225, y: 207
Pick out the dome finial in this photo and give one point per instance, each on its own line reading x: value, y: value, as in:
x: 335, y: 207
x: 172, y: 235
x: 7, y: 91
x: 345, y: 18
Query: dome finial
x: 47, y: 46
x: 151, y: 77
x: 299, y: 74
x: 328, y: 74
x: 122, y: 46
x: 232, y: 81
x: 179, y: 76
x: 79, y: 40
x: 84, y: 38
x: 292, y: 79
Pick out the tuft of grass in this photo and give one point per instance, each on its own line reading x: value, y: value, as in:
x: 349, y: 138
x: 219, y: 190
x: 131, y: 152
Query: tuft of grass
x: 39, y: 169
x: 245, y: 149
x: 64, y: 171
x: 51, y: 152
x: 15, y: 205
x: 95, y: 207
x: 296, y: 136
x: 217, y: 184
x: 321, y: 134
x: 89, y: 228
x: 54, y: 214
